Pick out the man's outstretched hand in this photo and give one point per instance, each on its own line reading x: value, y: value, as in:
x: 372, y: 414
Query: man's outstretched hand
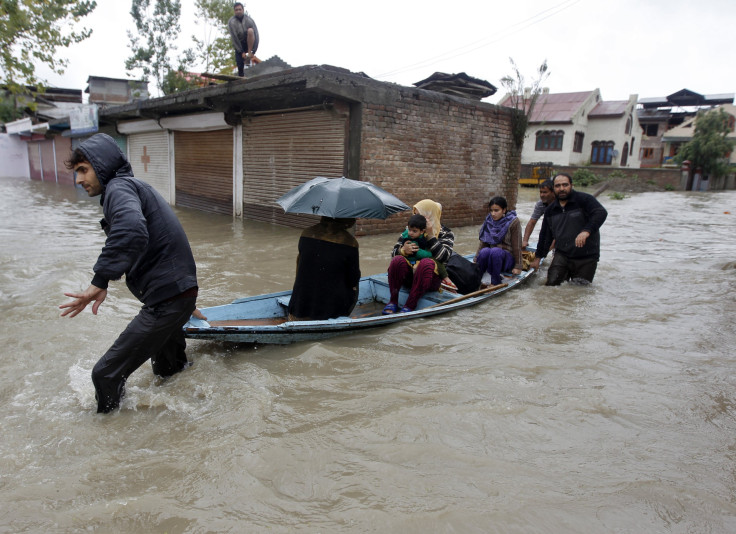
x: 92, y: 293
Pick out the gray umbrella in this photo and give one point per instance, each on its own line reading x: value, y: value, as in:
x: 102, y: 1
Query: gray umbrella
x: 341, y: 198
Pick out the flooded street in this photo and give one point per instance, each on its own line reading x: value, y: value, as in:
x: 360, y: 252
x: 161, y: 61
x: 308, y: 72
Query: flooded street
x: 609, y: 408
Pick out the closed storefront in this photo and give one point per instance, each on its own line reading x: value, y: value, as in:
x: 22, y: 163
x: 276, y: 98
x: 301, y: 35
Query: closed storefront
x: 204, y: 170
x: 34, y: 160
x: 149, y: 157
x: 62, y: 149
x: 284, y: 150
x: 48, y: 161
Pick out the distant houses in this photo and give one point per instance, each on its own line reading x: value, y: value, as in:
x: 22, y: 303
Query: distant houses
x: 568, y: 129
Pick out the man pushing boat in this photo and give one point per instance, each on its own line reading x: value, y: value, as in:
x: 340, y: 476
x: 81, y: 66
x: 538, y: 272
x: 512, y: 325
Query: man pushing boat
x: 146, y: 243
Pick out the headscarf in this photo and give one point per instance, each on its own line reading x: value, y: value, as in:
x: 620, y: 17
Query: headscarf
x: 333, y: 230
x: 493, y: 232
x: 432, y: 211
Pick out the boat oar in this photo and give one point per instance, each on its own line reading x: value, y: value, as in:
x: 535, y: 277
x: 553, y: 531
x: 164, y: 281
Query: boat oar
x: 469, y: 295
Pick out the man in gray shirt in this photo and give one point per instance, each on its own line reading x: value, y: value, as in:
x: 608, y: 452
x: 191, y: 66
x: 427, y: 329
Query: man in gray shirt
x: 244, y: 33
x: 546, y: 197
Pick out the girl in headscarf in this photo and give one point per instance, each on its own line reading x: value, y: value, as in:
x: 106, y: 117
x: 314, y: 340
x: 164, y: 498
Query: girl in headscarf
x: 424, y: 277
x: 500, y: 241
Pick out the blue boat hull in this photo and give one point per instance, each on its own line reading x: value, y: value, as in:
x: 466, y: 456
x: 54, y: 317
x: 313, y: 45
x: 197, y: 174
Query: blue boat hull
x: 263, y: 319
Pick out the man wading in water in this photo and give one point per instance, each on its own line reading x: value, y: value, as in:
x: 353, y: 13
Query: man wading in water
x: 146, y: 243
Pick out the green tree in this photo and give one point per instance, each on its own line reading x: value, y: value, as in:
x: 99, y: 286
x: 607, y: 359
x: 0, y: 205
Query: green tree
x: 523, y: 98
x: 158, y: 27
x: 31, y: 31
x: 709, y: 147
x: 214, y: 51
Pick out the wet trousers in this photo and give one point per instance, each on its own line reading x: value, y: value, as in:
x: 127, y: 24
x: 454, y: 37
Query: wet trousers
x: 579, y: 271
x: 155, y: 333
x: 420, y: 280
x: 495, y: 260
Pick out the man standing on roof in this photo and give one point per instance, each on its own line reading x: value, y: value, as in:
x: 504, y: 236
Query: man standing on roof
x: 146, y: 243
x: 244, y: 33
x: 572, y: 221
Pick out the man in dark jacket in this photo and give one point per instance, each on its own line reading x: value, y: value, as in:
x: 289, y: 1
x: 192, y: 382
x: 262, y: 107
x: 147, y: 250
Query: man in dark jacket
x: 572, y: 221
x: 146, y: 243
x: 244, y: 35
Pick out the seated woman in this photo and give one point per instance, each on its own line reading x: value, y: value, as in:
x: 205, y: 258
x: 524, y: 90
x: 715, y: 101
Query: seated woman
x: 424, y: 276
x: 500, y: 241
x: 327, y: 272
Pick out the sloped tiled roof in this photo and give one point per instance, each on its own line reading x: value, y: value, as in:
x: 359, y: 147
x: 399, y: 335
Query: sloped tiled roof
x: 613, y: 108
x: 559, y: 107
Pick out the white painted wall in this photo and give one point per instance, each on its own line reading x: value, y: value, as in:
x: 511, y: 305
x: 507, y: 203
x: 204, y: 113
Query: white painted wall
x: 13, y: 157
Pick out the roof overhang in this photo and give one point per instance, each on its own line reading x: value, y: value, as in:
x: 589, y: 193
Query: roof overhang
x: 289, y: 89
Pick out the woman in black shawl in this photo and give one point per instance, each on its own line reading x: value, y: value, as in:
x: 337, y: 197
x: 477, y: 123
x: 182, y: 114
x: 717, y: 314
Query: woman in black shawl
x: 327, y: 272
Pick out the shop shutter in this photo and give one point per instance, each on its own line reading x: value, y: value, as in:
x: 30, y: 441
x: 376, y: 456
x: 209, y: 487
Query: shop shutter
x: 48, y: 161
x: 204, y: 170
x: 63, y: 148
x: 34, y: 160
x: 149, y: 157
x: 285, y: 150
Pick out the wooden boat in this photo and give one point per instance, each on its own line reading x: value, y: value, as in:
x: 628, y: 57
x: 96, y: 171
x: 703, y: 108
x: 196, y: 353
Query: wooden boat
x: 264, y: 318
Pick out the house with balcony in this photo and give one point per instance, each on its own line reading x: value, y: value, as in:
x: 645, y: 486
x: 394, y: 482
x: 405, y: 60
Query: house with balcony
x: 571, y: 129
x: 659, y: 115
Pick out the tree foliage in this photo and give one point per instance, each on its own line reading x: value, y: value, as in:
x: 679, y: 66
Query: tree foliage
x: 214, y: 50
x: 157, y: 25
x: 523, y: 98
x: 709, y: 147
x: 31, y: 31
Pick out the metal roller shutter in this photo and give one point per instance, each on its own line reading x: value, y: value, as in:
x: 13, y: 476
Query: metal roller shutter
x: 285, y: 150
x: 63, y: 148
x: 149, y: 157
x: 34, y: 160
x: 48, y: 161
x: 204, y: 170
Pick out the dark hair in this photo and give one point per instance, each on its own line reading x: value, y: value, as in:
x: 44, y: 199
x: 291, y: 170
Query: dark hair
x: 549, y: 184
x: 417, y: 221
x: 498, y: 201
x: 75, y: 159
x: 562, y: 174
x: 236, y: 4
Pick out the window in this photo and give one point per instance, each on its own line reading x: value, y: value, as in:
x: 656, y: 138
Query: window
x: 602, y: 152
x: 631, y: 150
x: 652, y: 130
x: 549, y: 140
x: 577, y: 145
x: 628, y: 126
x: 647, y: 153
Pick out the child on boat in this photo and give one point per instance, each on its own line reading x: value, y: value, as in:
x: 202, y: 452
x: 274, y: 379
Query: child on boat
x: 500, y: 241
x: 415, y: 233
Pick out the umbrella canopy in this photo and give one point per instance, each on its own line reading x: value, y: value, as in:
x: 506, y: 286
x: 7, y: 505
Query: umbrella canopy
x: 341, y: 198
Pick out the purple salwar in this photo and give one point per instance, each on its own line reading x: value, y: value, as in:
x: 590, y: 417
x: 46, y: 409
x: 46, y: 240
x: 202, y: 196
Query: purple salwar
x: 494, y: 260
x: 421, y: 280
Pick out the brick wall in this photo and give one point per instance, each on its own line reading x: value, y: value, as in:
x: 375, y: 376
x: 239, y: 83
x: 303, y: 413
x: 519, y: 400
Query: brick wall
x: 420, y: 144
x: 660, y: 177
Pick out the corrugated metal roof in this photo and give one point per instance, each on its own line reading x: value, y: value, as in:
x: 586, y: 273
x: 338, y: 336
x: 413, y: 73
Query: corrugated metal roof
x: 559, y: 107
x: 613, y: 108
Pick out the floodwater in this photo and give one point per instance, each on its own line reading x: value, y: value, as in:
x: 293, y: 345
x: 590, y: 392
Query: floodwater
x: 609, y: 408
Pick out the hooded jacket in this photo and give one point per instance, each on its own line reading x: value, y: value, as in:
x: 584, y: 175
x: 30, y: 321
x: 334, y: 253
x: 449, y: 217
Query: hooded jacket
x: 145, y: 241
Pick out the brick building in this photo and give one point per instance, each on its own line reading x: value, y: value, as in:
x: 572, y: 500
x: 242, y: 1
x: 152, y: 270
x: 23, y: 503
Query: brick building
x: 238, y: 146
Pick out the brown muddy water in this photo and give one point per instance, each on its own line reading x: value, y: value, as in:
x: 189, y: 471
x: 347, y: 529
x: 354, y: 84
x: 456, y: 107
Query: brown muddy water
x: 609, y: 408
